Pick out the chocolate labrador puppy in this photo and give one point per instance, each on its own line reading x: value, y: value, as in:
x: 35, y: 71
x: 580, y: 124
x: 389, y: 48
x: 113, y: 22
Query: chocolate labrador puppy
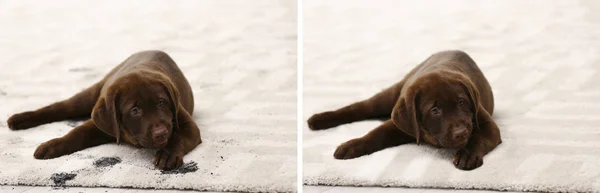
x: 445, y: 101
x: 145, y: 101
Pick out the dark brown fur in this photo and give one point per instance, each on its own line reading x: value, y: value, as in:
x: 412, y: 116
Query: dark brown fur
x: 145, y: 101
x: 446, y: 101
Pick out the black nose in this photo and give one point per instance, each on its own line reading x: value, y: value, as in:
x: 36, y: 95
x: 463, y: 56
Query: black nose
x: 159, y: 133
x: 460, y: 134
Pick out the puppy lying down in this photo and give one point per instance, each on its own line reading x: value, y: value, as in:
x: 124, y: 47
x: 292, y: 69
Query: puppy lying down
x: 145, y: 101
x: 446, y: 101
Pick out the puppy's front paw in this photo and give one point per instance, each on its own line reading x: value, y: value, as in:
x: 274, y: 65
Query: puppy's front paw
x: 352, y: 149
x: 321, y: 121
x: 164, y: 159
x: 21, y: 121
x: 466, y: 160
x: 51, y: 149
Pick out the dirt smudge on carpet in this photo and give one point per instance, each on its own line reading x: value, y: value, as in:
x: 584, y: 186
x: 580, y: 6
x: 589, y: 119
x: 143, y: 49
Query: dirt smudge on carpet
x: 185, y: 168
x: 107, y: 161
x: 60, y: 179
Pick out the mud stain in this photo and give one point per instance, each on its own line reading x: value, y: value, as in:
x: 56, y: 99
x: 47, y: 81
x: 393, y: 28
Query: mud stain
x: 60, y: 179
x: 80, y: 69
x: 107, y: 161
x: 185, y: 168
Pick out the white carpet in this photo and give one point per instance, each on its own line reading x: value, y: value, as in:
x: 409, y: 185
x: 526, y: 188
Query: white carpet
x: 542, y: 59
x: 239, y: 57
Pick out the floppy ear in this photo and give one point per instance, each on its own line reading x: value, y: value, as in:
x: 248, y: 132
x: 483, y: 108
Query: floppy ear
x: 174, y: 95
x: 104, y: 115
x: 405, y: 114
x: 470, y: 88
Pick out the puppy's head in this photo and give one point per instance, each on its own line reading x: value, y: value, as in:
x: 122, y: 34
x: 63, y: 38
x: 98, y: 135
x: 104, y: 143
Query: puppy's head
x: 140, y: 108
x: 439, y: 106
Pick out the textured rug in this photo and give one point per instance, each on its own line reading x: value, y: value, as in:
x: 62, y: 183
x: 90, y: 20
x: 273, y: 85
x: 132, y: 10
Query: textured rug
x: 239, y: 57
x: 541, y: 58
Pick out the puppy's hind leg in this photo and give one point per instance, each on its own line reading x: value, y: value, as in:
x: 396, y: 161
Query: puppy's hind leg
x: 377, y: 106
x: 79, y: 105
x: 81, y: 137
x: 384, y: 136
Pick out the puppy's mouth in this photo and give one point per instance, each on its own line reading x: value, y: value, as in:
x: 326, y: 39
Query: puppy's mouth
x: 457, y: 144
x: 157, y: 144
x: 454, y: 144
x: 160, y: 136
x: 161, y: 143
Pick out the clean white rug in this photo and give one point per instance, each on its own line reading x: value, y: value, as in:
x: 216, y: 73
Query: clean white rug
x: 239, y: 57
x: 542, y: 59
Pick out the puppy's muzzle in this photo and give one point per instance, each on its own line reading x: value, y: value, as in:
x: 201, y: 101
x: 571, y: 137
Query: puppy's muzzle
x: 160, y: 135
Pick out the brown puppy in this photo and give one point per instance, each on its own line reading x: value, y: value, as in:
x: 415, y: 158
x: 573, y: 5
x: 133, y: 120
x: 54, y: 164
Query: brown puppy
x: 145, y: 101
x: 445, y: 101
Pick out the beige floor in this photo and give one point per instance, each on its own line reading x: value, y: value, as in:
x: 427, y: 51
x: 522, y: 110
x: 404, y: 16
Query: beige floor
x: 306, y: 189
x: 37, y: 189
x: 341, y: 189
x: 543, y: 66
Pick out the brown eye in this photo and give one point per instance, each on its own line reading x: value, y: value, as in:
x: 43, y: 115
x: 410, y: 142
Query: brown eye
x: 162, y: 102
x: 134, y: 111
x: 461, y: 102
x: 434, y: 111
